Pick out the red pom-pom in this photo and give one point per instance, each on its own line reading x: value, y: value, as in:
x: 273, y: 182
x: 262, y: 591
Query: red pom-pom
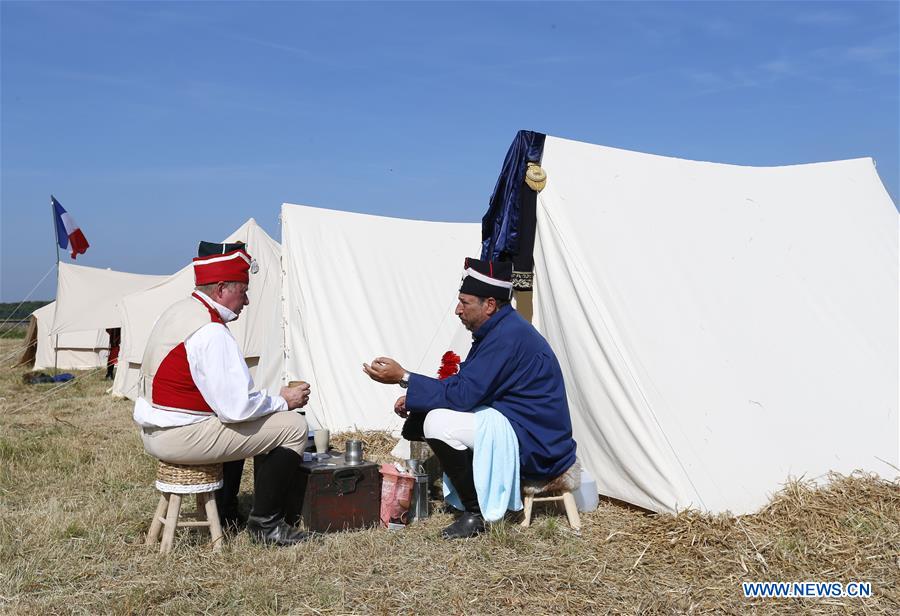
x: 449, y: 365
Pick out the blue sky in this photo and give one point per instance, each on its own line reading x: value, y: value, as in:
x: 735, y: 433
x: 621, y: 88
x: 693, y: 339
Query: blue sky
x: 160, y: 124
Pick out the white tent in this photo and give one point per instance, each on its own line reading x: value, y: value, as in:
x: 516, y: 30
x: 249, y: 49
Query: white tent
x: 258, y: 330
x: 720, y: 328
x: 72, y: 330
x: 356, y: 286
x: 79, y: 350
x: 88, y: 298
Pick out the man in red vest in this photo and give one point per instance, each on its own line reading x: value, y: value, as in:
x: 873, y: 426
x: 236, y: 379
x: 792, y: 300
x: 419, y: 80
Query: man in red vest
x: 197, y: 404
x: 115, y: 340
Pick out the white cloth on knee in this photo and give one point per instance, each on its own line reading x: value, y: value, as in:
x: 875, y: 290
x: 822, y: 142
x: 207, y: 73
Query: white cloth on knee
x: 495, y: 464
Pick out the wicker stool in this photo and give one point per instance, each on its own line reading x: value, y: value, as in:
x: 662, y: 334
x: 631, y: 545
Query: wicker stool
x: 560, y: 489
x: 173, y: 480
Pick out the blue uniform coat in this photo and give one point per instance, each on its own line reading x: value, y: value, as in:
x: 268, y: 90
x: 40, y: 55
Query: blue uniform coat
x: 511, y: 368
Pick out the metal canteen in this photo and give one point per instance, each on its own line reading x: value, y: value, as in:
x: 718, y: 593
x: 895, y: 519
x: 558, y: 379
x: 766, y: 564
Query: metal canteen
x: 419, y: 506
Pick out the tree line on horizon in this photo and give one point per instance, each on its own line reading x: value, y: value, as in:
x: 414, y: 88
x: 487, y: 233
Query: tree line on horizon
x: 13, y: 311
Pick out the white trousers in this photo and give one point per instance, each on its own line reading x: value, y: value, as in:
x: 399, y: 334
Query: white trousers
x: 453, y: 427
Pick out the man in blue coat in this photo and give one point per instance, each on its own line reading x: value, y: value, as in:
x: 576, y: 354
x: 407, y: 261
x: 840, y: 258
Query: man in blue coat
x: 510, y: 368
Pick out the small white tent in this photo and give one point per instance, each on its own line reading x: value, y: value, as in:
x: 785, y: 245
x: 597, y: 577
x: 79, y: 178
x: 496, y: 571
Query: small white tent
x: 88, y: 298
x: 720, y: 328
x: 79, y: 350
x: 258, y: 330
x: 72, y: 330
x: 357, y: 286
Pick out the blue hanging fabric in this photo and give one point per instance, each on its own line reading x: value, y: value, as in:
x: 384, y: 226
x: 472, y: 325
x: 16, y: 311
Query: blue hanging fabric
x: 500, y: 227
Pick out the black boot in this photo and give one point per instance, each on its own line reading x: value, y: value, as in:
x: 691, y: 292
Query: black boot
x: 273, y: 473
x: 273, y: 530
x: 227, y: 497
x: 457, y: 464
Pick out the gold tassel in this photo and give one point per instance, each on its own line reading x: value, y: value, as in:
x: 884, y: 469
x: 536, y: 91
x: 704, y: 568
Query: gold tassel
x: 535, y: 177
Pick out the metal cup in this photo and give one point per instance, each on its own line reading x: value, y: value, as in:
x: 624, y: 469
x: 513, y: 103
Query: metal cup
x: 353, y: 452
x: 302, y: 411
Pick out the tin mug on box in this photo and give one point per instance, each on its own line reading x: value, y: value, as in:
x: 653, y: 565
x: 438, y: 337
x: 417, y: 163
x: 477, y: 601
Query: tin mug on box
x: 353, y: 452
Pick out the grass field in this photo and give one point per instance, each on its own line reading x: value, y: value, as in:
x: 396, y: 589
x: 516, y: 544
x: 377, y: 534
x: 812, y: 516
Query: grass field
x: 13, y: 331
x: 76, y: 499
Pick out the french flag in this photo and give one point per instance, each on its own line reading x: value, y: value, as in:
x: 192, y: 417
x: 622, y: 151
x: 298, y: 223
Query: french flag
x: 67, y: 230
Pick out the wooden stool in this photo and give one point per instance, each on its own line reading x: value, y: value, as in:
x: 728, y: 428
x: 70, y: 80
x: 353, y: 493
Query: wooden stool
x: 174, y: 480
x: 561, y: 488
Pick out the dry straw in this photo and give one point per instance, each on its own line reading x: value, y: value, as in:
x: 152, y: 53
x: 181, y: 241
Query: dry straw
x: 76, y: 497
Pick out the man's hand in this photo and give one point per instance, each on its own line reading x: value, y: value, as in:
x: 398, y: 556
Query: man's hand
x: 384, y: 370
x: 296, y: 396
x: 400, y: 407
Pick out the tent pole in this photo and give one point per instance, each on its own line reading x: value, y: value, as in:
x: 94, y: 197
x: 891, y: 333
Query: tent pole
x: 56, y: 242
x: 524, y: 304
x: 523, y: 261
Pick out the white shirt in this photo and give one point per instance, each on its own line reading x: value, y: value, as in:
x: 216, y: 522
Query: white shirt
x: 220, y: 373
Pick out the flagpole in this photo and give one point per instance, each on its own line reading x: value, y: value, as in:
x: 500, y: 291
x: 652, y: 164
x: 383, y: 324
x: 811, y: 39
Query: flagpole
x: 56, y: 242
